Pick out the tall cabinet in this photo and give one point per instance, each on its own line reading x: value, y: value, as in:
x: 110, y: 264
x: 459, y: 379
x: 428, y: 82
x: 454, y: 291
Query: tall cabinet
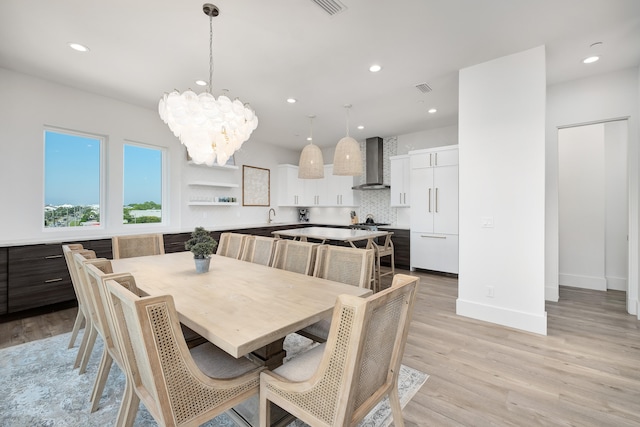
x: 434, y: 209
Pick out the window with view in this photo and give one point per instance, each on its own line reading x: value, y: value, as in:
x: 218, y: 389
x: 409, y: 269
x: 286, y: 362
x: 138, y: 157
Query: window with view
x: 72, y: 174
x: 142, y: 184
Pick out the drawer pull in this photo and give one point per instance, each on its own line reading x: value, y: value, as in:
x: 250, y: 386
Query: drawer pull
x: 59, y: 279
x: 433, y: 237
x: 53, y: 256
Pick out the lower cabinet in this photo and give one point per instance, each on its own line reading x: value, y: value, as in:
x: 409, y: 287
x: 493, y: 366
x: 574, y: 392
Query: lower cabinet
x: 438, y: 252
x: 3, y: 281
x: 38, y: 276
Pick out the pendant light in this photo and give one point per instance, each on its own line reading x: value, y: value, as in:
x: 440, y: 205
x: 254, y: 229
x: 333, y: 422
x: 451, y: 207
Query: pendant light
x: 347, y: 160
x: 211, y: 128
x: 311, y: 165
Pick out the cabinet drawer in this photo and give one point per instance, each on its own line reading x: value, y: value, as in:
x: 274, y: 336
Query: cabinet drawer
x: 438, y: 252
x: 37, y: 276
x: 3, y: 280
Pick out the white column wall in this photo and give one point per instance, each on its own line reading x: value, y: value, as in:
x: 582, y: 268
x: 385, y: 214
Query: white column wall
x: 502, y: 175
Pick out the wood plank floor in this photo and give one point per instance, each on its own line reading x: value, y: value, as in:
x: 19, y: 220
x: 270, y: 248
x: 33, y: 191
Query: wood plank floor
x: 586, y: 372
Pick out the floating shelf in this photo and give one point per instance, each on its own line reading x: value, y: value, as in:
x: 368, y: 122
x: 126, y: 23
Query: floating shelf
x: 212, y: 203
x: 213, y: 184
x: 215, y: 166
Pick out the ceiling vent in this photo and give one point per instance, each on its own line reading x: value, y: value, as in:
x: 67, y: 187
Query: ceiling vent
x: 332, y: 7
x: 423, y: 87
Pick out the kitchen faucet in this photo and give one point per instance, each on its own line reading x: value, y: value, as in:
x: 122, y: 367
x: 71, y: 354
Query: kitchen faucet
x: 274, y: 214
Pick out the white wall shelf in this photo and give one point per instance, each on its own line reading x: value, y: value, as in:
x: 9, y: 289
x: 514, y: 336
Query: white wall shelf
x: 213, y: 184
x: 215, y: 165
x: 213, y: 203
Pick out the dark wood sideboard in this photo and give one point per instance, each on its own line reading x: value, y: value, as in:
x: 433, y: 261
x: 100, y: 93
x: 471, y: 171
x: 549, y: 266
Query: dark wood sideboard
x: 35, y: 276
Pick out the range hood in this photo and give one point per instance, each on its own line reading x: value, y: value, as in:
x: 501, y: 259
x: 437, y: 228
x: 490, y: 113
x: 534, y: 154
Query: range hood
x: 373, y: 161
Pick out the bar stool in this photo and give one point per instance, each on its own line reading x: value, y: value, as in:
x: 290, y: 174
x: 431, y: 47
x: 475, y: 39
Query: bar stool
x: 386, y: 249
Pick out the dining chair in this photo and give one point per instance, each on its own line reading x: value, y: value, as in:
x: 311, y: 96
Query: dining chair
x: 259, y: 250
x: 137, y: 245
x: 386, y: 249
x: 296, y: 256
x: 80, y: 316
x: 231, y: 245
x: 177, y: 386
x: 88, y: 338
x: 352, y: 266
x: 339, y: 382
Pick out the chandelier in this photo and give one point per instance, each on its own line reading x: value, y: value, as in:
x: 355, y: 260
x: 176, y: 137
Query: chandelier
x: 211, y: 129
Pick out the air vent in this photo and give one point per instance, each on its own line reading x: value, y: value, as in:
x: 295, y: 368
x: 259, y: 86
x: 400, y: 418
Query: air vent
x: 332, y: 7
x: 423, y: 87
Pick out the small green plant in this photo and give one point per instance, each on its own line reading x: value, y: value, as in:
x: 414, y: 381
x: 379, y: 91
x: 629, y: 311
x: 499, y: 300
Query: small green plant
x: 201, y: 243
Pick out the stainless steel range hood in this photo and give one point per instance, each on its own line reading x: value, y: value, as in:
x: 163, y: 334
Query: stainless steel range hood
x: 373, y: 161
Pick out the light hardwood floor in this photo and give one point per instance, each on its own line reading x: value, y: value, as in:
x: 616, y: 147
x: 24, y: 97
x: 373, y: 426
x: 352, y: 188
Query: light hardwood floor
x: 586, y: 372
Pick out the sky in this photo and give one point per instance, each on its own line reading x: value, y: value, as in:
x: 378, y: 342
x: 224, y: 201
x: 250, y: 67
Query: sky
x: 72, y: 171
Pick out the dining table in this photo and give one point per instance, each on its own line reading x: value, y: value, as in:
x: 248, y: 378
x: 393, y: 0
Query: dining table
x: 242, y: 307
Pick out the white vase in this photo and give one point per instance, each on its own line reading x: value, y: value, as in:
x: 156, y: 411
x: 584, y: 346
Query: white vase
x: 202, y: 264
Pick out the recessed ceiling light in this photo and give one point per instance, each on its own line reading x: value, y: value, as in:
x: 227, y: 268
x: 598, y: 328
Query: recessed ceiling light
x: 590, y: 59
x: 292, y: 100
x: 201, y: 83
x: 360, y: 127
x: 432, y: 110
x: 375, y: 68
x: 79, y: 47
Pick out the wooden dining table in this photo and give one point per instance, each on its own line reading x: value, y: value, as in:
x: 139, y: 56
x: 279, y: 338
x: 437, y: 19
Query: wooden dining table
x: 241, y: 307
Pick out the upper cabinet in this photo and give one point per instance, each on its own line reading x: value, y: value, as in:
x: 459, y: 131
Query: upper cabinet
x: 400, y: 174
x: 290, y: 187
x: 329, y: 191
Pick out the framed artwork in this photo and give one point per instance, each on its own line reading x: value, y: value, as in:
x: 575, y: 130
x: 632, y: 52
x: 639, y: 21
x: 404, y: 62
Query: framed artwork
x: 256, y: 186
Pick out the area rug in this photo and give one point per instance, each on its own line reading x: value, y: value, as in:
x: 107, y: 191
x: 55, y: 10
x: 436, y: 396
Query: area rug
x: 40, y: 388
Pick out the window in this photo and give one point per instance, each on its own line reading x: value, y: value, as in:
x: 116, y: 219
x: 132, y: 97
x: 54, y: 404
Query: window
x: 142, y: 184
x: 72, y: 174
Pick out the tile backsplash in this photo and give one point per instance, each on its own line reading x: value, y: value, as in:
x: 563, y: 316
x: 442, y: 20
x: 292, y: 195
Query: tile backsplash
x: 376, y: 202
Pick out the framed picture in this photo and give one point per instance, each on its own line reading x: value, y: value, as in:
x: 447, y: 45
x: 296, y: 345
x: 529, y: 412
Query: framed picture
x: 256, y: 186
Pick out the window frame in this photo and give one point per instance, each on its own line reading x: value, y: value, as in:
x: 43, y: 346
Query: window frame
x: 102, y: 162
x: 164, y: 181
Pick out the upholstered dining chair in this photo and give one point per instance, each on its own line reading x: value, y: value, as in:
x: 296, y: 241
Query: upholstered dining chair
x: 386, y: 249
x: 177, y: 386
x: 80, y: 316
x: 231, y: 245
x: 137, y: 245
x: 339, y: 382
x: 352, y: 266
x: 259, y: 250
x: 296, y: 256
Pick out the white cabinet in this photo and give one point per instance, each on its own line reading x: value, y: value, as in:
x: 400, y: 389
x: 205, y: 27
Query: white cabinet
x: 329, y: 191
x: 434, y: 209
x: 400, y: 178
x: 290, y: 187
x: 339, y: 188
x: 315, y: 192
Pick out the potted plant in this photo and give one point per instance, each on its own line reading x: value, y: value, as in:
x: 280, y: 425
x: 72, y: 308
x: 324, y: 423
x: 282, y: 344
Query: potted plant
x: 202, y: 245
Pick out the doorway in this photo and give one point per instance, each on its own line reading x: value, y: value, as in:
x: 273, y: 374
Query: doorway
x: 593, y: 206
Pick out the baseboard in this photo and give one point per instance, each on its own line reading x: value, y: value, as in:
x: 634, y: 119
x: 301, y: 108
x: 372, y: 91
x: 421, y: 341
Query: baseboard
x: 586, y: 282
x: 529, y: 322
x: 552, y: 293
x: 617, y: 283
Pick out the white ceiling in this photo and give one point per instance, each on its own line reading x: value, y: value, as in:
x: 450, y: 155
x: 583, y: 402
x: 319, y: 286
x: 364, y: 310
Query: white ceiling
x: 267, y: 51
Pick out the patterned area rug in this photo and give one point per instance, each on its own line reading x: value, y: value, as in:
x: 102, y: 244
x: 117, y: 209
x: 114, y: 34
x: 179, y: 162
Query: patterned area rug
x: 41, y: 389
